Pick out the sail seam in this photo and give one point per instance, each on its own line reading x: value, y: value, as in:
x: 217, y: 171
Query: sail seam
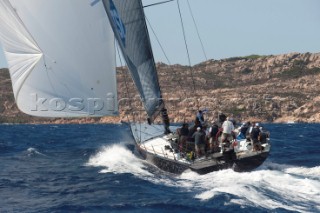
x: 14, y: 13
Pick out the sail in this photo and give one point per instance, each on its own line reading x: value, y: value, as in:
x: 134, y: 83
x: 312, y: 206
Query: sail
x: 128, y: 22
x: 61, y: 57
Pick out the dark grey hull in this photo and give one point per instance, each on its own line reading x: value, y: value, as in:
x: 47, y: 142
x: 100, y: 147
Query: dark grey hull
x: 212, y: 162
x: 207, y: 164
x: 250, y: 163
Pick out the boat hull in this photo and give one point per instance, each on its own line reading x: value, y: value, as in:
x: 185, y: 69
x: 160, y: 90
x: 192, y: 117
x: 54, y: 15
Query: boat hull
x: 209, y: 164
x: 164, y: 164
x: 162, y: 151
x: 250, y: 163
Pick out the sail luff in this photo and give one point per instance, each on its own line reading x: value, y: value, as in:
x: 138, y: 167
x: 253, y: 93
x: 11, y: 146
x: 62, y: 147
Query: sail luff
x: 161, y: 109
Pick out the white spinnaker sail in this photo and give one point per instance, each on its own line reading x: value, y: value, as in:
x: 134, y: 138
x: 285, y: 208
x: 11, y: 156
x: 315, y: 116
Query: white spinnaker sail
x: 61, y: 57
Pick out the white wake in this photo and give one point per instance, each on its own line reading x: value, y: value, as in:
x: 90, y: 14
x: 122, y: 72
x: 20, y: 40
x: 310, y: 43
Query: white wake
x: 293, y: 189
x: 273, y: 186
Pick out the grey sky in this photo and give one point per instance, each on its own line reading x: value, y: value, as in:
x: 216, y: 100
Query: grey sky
x: 231, y: 28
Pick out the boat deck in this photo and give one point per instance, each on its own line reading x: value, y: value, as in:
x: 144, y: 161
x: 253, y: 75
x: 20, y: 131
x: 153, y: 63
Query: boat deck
x: 158, y: 146
x: 152, y: 140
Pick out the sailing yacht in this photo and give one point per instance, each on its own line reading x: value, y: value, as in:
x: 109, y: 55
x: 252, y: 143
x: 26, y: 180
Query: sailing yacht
x: 61, y: 58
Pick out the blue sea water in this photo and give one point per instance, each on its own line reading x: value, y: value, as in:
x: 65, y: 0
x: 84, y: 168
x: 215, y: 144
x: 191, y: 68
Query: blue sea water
x: 92, y: 168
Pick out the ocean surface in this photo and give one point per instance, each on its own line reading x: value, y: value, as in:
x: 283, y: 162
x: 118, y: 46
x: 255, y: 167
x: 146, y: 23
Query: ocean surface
x: 92, y: 168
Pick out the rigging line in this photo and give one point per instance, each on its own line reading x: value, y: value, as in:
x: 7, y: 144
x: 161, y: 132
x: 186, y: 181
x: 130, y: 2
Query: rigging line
x: 163, y: 2
x: 126, y: 84
x: 165, y: 55
x: 195, y: 24
x: 186, y: 45
x: 184, y: 33
x: 127, y: 90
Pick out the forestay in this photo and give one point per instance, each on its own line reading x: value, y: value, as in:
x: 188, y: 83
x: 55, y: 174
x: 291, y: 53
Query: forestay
x: 128, y: 22
x: 61, y: 57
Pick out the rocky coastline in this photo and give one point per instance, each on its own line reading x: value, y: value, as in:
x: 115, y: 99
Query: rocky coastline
x: 280, y: 89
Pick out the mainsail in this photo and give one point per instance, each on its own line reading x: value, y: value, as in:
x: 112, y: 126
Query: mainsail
x: 61, y: 57
x: 128, y: 22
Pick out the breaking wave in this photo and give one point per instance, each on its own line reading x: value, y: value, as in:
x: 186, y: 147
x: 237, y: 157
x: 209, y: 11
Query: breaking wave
x: 266, y: 187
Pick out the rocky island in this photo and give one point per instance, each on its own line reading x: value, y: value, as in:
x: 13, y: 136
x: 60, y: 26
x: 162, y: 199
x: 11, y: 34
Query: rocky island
x: 274, y: 88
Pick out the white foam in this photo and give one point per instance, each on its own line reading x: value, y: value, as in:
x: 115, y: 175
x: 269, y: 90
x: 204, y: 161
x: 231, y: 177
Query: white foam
x: 307, y: 172
x: 264, y: 188
x: 273, y: 186
x: 33, y: 151
x: 118, y: 159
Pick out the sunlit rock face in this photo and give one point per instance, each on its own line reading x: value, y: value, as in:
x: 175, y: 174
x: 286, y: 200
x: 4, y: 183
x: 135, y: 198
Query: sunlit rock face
x: 281, y: 88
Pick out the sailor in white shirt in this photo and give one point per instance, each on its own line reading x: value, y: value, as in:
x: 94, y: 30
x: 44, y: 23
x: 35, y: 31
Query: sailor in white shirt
x: 228, y: 128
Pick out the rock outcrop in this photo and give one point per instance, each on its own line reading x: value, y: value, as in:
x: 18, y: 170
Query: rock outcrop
x: 278, y: 88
